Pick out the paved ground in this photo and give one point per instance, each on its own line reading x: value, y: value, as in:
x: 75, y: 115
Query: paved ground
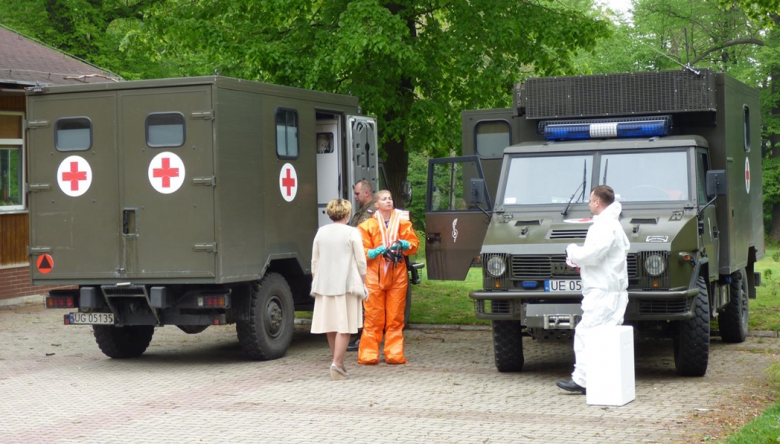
x: 56, y: 387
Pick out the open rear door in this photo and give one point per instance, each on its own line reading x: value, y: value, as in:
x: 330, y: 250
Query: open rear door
x: 363, y: 152
x: 457, y: 215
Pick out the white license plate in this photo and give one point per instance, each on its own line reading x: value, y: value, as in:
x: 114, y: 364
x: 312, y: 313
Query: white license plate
x: 92, y: 318
x: 561, y: 285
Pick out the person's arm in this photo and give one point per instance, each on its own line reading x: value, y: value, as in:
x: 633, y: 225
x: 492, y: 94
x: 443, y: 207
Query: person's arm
x: 406, y: 232
x: 596, y: 247
x: 315, y: 255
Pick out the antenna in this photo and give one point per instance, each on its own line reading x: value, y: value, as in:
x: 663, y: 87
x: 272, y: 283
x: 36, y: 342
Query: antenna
x: 606, y: 165
x: 685, y: 67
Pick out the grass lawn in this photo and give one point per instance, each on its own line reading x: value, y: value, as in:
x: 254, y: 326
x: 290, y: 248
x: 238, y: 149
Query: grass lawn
x: 765, y: 309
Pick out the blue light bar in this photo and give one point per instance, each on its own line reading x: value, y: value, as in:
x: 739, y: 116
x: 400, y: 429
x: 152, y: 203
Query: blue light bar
x: 575, y: 131
x: 530, y: 284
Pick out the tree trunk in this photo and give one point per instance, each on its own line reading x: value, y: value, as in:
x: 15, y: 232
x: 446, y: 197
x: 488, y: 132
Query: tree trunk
x: 397, y: 160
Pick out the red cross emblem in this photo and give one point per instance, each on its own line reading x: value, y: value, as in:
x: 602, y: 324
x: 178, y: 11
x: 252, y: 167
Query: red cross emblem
x: 74, y: 176
x: 288, y: 182
x: 166, y: 172
x: 747, y: 175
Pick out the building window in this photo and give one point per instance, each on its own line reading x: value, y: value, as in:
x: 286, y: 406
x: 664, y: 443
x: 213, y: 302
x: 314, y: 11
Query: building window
x: 287, y: 133
x: 492, y: 138
x: 73, y: 134
x: 11, y: 162
x: 165, y: 130
x: 746, y: 128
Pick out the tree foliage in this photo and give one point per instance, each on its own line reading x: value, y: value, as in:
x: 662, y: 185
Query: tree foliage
x: 413, y: 64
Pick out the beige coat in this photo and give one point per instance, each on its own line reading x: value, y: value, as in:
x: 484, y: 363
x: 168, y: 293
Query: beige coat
x: 337, y: 256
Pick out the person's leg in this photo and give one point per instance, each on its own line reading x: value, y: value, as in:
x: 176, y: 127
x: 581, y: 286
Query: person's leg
x: 394, y: 337
x: 354, y: 344
x: 373, y: 328
x: 340, y: 347
x: 580, y: 334
x: 331, y: 341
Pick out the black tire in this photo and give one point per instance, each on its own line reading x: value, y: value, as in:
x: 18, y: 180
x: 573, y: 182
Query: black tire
x: 123, y: 342
x: 267, y: 330
x: 692, y: 342
x: 508, y: 346
x: 733, y: 320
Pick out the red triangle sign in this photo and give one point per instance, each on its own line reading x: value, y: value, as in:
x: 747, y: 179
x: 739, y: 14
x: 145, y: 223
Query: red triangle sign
x: 45, y: 263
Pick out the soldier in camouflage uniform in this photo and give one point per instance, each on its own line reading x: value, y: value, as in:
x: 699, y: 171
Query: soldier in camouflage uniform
x: 364, y: 196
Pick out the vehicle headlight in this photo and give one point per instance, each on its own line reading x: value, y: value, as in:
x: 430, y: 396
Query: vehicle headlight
x: 655, y: 264
x: 495, y: 266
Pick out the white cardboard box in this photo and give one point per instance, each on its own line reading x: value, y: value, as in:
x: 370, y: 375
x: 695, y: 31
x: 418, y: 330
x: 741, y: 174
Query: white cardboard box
x: 610, y: 366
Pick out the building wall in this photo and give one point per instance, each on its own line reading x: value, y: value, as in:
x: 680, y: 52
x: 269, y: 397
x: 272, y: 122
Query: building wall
x: 15, y: 282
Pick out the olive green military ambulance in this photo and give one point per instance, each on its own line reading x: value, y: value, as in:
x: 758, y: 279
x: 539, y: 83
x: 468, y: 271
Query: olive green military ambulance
x: 681, y: 149
x: 189, y: 202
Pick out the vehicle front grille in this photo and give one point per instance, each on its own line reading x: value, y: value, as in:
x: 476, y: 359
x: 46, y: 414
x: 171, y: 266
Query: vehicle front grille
x: 664, y: 307
x: 546, y: 267
x: 493, y: 307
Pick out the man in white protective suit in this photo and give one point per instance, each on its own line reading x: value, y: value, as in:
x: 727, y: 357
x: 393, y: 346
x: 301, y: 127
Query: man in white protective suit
x: 602, y: 264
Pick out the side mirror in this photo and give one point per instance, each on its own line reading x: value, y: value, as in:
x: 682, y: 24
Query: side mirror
x: 716, y: 183
x: 406, y: 192
x: 477, y: 191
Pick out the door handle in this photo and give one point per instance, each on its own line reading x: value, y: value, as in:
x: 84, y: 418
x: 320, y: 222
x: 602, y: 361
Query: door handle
x: 433, y: 238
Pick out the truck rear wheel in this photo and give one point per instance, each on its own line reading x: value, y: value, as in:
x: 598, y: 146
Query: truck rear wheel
x: 123, y: 342
x: 267, y: 331
x: 508, y: 346
x: 692, y: 342
x: 733, y: 320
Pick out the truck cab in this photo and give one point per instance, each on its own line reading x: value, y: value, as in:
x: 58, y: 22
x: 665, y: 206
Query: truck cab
x: 681, y: 151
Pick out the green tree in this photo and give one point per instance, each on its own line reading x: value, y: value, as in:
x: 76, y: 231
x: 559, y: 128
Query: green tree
x: 739, y: 38
x: 415, y: 65
x: 92, y: 30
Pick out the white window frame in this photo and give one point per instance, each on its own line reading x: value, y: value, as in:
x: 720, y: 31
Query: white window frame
x: 8, y: 209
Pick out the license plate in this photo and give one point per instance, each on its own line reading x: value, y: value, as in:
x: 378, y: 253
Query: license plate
x: 560, y: 285
x: 92, y: 318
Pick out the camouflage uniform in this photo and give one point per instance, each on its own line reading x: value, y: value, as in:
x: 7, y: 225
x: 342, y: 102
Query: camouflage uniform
x: 363, y: 214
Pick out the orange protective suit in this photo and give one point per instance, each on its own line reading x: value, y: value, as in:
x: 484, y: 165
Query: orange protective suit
x: 386, y: 283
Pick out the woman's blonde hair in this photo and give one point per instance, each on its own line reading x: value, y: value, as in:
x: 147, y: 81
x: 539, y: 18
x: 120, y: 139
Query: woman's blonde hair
x: 381, y: 193
x: 338, y: 209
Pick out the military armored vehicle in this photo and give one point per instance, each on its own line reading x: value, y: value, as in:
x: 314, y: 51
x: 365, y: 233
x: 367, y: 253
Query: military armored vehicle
x: 190, y: 202
x: 681, y: 149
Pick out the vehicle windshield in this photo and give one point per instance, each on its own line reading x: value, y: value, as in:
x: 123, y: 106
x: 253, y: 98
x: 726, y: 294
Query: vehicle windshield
x: 635, y: 177
x: 548, y: 180
x: 646, y: 177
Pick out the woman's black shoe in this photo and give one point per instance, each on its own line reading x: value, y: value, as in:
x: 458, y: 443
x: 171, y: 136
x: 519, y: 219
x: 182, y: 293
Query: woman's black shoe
x: 571, y: 386
x: 354, y: 345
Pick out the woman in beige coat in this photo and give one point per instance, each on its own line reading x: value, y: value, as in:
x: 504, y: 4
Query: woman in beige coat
x: 338, y: 267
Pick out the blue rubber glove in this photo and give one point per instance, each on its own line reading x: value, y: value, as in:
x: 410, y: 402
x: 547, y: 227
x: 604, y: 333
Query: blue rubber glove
x: 404, y: 245
x: 372, y: 254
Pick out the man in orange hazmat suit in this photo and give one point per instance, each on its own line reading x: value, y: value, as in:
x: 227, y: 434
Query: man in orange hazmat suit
x: 387, y: 237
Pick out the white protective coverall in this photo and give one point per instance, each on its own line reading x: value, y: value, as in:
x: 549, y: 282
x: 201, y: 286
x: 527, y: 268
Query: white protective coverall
x: 602, y: 263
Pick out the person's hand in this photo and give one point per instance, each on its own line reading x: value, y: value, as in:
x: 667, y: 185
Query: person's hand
x: 402, y: 243
x: 372, y: 254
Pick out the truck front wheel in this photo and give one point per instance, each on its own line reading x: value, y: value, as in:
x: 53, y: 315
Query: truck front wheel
x: 267, y: 330
x: 733, y: 320
x: 123, y: 342
x: 508, y: 346
x: 692, y: 342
